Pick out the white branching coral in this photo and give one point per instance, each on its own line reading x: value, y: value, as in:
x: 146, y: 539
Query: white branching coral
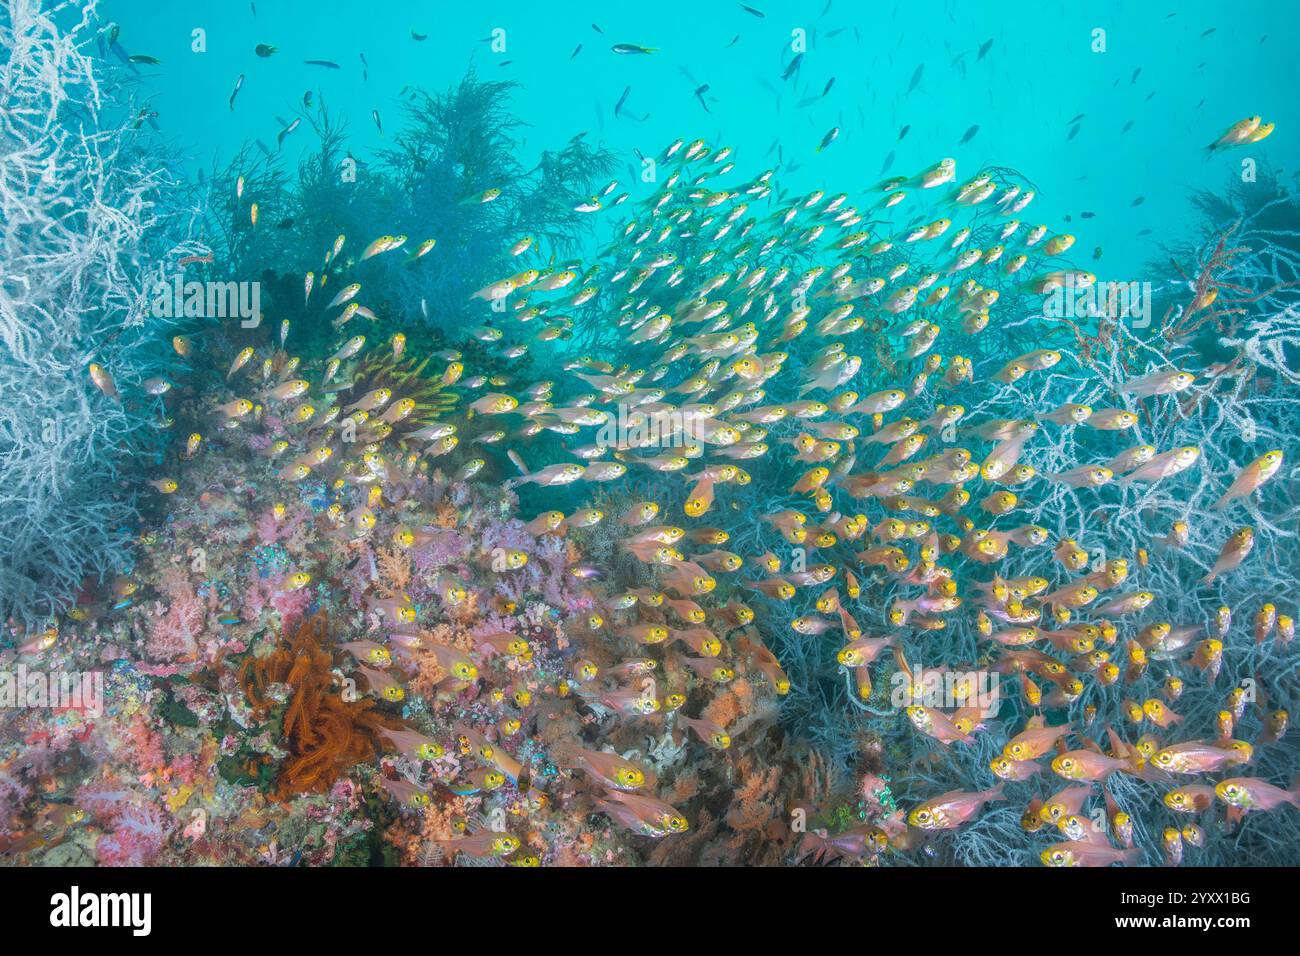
x: 1242, y: 345
x: 86, y: 220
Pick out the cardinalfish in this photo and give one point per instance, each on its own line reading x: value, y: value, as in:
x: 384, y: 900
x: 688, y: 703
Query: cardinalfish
x: 789, y: 448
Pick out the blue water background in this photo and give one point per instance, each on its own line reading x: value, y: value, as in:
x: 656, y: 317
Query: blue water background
x: 1040, y: 72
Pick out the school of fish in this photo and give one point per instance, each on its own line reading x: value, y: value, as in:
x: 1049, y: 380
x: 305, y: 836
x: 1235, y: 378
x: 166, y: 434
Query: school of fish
x: 806, y: 346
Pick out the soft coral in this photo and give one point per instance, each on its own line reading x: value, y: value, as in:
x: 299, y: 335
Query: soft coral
x: 325, y: 734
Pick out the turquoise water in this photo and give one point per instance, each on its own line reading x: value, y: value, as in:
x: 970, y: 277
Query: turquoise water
x: 1039, y: 73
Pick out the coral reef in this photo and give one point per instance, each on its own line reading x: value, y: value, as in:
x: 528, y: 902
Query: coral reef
x: 88, y: 221
x: 387, y: 607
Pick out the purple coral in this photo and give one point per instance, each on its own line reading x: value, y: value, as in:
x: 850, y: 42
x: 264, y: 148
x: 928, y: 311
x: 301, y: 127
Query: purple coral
x: 139, y: 834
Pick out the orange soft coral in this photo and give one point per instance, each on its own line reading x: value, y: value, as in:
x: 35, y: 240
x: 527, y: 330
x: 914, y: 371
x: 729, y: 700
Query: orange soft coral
x: 394, y: 569
x: 325, y: 734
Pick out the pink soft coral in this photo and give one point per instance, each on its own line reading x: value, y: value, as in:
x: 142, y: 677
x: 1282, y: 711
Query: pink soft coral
x: 139, y: 834
x: 144, y: 745
x: 175, y: 631
x: 290, y: 605
x: 271, y: 529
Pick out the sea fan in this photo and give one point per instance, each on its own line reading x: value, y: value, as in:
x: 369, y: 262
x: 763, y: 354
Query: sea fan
x: 85, y: 215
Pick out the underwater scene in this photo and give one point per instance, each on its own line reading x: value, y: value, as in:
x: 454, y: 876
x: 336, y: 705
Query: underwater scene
x: 826, y: 434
